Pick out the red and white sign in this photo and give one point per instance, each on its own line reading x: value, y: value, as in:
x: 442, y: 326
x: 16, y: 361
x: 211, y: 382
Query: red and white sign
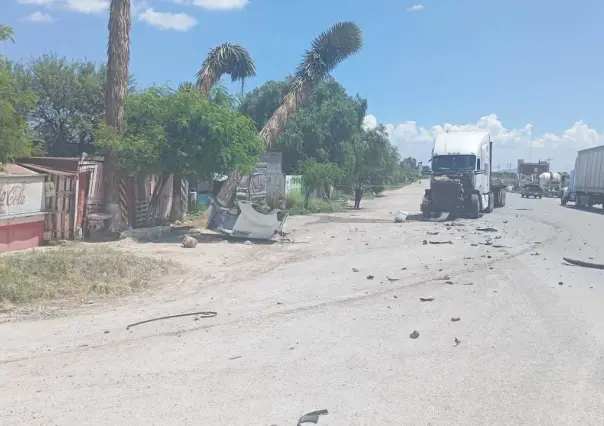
x: 20, y: 196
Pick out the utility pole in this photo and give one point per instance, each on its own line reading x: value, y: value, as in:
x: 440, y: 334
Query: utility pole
x: 531, y: 149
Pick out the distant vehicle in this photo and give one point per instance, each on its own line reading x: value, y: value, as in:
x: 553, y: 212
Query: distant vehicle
x: 532, y: 190
x: 587, y: 179
x: 461, y: 181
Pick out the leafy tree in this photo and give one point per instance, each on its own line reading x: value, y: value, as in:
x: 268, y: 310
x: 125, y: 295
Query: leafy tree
x: 14, y: 106
x: 318, y: 176
x: 183, y: 133
x: 327, y: 50
x: 70, y: 102
x: 229, y: 59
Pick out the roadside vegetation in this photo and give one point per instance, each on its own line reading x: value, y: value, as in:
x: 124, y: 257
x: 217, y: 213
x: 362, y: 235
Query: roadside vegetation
x: 75, y: 273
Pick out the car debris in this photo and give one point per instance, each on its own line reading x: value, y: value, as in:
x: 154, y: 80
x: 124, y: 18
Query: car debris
x: 414, y: 334
x: 355, y: 270
x: 370, y: 277
x: 400, y: 216
x: 487, y: 229
x: 583, y: 263
x: 457, y: 342
x: 426, y: 299
x: 455, y: 319
x: 202, y: 314
x: 392, y: 279
x: 312, y: 417
x: 441, y: 242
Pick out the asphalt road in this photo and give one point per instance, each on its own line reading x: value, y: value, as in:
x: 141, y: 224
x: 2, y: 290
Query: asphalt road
x: 528, y: 347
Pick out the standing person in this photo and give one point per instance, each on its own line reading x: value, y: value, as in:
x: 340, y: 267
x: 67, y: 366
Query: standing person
x: 358, y: 194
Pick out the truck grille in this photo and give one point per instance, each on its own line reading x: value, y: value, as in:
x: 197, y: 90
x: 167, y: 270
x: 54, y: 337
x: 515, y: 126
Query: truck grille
x: 445, y: 194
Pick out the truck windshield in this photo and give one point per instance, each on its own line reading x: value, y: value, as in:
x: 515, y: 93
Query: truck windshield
x: 453, y: 162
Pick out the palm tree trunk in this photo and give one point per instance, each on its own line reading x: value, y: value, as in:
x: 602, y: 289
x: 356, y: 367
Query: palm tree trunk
x: 228, y: 191
x: 118, y: 60
x: 177, y: 212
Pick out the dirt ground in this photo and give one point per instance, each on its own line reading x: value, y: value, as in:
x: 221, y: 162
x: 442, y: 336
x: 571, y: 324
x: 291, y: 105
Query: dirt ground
x: 507, y: 334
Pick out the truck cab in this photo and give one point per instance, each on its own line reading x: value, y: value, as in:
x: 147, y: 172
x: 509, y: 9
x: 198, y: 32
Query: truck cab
x: 461, y: 176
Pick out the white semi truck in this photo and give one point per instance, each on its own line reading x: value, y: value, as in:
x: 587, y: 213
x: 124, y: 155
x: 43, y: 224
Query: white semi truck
x: 587, y: 179
x: 461, y: 182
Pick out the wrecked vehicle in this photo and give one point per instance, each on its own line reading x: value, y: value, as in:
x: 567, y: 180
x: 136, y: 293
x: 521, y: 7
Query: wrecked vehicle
x: 461, y: 182
x: 250, y: 217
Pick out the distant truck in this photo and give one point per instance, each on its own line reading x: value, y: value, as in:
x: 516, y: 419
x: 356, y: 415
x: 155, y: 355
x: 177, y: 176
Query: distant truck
x: 461, y: 181
x: 586, y: 186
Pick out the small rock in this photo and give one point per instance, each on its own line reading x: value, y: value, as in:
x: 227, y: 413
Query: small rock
x: 355, y: 270
x: 457, y: 341
x: 370, y: 277
x: 455, y: 319
x: 414, y: 335
x: 189, y: 242
x: 560, y: 283
x: 106, y: 332
x: 426, y: 299
x: 425, y: 242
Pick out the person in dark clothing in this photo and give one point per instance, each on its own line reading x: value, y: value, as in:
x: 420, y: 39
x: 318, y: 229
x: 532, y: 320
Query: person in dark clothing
x: 358, y: 194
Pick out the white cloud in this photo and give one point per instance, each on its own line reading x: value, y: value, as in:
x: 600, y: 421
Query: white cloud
x: 215, y: 4
x: 167, y: 20
x: 82, y: 6
x: 416, y: 8
x: 510, y: 144
x: 39, y: 17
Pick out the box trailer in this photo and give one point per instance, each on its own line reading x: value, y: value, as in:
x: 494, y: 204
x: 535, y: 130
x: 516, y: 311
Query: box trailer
x: 587, y: 179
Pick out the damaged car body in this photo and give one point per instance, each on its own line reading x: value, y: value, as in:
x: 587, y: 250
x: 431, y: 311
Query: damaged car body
x: 250, y: 217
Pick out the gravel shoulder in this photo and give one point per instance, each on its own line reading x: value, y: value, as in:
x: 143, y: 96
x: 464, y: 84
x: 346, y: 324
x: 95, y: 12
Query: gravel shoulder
x: 298, y: 329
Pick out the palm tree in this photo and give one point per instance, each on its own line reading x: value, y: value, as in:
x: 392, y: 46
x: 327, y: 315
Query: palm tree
x: 185, y: 85
x: 229, y: 59
x: 327, y: 50
x: 118, y: 60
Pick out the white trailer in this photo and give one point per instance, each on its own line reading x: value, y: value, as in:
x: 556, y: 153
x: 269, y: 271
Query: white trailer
x: 587, y: 179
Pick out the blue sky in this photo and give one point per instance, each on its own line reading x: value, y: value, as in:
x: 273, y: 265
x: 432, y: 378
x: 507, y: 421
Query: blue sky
x: 426, y: 65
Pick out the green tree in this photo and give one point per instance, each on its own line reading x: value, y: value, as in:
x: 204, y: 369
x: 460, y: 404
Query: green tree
x: 327, y: 50
x: 14, y: 107
x: 318, y: 176
x: 70, y: 102
x: 227, y: 58
x: 181, y: 132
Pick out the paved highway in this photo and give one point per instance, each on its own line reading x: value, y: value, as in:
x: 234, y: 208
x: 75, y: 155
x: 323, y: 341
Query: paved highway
x: 508, y: 334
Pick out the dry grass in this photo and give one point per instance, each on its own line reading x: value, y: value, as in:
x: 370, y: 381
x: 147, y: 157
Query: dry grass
x: 68, y: 273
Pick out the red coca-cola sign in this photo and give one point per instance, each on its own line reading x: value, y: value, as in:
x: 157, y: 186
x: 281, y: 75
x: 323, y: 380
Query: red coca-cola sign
x: 12, y: 195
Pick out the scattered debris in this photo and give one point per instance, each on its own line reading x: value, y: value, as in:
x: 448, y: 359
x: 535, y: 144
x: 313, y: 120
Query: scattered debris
x: 449, y: 282
x: 425, y: 242
x: 441, y: 242
x: 431, y: 233
x: 392, y: 279
x: 414, y: 335
x: 455, y: 319
x: 487, y: 229
x: 583, y: 263
x: 355, y: 270
x: 560, y: 283
x: 400, y: 217
x: 457, y: 342
x: 468, y: 284
x: 426, y: 299
x: 106, y: 331
x: 189, y: 242
x: 312, y: 417
x: 202, y: 314
x: 235, y: 357
x: 370, y: 277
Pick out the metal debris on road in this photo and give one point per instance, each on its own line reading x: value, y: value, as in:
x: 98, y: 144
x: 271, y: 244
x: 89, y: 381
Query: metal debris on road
x: 455, y: 319
x: 487, y: 229
x: 441, y: 242
x: 312, y: 417
x: 414, y: 335
x: 560, y: 283
x: 426, y: 299
x: 202, y: 314
x: 370, y: 277
x: 583, y: 263
x: 355, y: 270
x: 425, y: 242
x: 457, y: 342
x: 392, y: 279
